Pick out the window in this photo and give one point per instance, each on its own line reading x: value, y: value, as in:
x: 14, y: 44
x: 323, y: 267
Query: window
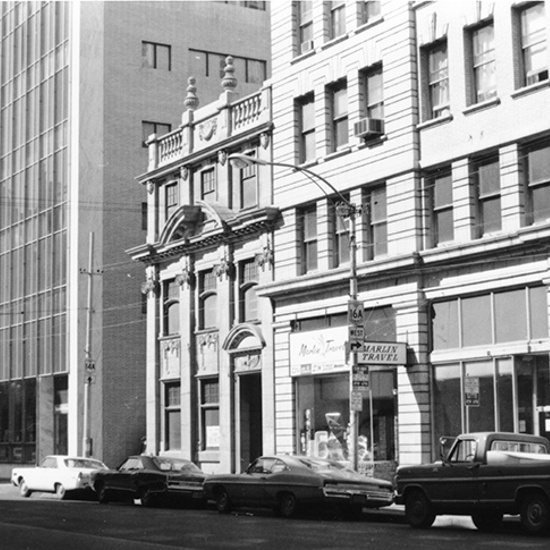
x: 210, y: 64
x: 537, y: 174
x: 247, y: 291
x: 308, y: 238
x: 494, y: 318
x: 158, y: 128
x: 171, y: 307
x: 438, y: 80
x: 441, y: 198
x: 371, y: 10
x: 144, y: 216
x: 172, y: 415
x: 340, y: 133
x: 248, y: 186
x: 337, y: 18
x: 483, y: 63
x: 306, y: 108
x: 208, y: 300
x: 374, y: 92
x: 171, y: 199
x: 341, y: 236
x: 305, y: 31
x: 377, y: 223
x: 534, y: 57
x: 156, y: 56
x: 210, y: 413
x: 486, y: 179
x: 208, y: 185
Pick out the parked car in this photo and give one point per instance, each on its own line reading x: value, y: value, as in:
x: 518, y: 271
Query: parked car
x: 58, y: 474
x: 151, y: 479
x: 484, y: 475
x: 289, y: 484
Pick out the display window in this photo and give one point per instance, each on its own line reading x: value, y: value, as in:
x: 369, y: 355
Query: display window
x: 323, y: 417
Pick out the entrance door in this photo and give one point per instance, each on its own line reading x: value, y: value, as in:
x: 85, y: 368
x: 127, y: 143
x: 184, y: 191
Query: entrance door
x: 533, y: 390
x: 250, y: 419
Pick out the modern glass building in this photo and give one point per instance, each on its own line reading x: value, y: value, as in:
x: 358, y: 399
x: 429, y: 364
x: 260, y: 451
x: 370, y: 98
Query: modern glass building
x: 82, y: 87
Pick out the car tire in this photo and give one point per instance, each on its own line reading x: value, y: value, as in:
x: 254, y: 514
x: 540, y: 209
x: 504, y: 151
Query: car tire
x: 60, y: 491
x: 535, y: 513
x: 223, y: 502
x: 24, y: 490
x: 487, y: 521
x: 148, y: 499
x: 287, y: 505
x: 102, y: 494
x: 418, y: 511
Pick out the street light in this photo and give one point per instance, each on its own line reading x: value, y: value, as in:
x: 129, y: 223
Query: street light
x: 345, y: 209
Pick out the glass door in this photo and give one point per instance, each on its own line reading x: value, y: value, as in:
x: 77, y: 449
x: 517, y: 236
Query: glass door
x: 533, y: 394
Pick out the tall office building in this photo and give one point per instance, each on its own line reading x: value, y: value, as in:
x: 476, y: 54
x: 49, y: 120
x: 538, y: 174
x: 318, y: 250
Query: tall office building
x: 82, y: 87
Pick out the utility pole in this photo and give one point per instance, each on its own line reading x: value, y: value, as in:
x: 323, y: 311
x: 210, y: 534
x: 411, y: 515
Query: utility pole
x: 89, y: 364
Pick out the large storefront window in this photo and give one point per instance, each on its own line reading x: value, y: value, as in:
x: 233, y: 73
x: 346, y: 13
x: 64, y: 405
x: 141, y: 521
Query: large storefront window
x: 322, y: 389
x: 18, y: 421
x: 323, y: 417
x: 509, y: 394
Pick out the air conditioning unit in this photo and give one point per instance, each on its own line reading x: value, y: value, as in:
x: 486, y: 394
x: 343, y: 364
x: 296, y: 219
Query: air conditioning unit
x: 369, y: 128
x: 306, y: 46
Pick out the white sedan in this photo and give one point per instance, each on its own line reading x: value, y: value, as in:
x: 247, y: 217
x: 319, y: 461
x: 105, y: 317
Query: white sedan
x: 58, y: 474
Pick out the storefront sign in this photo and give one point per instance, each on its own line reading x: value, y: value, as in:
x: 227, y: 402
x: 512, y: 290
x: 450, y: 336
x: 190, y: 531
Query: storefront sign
x: 318, y: 351
x: 383, y: 353
x: 471, y: 390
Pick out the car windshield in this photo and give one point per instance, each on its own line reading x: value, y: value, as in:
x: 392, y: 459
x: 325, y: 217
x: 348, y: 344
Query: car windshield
x: 84, y: 463
x: 318, y: 465
x: 175, y: 465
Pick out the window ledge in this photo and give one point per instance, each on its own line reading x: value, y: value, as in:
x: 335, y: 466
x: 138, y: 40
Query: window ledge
x: 369, y: 24
x: 435, y: 122
x: 482, y: 105
x: 530, y: 89
x: 344, y: 150
x: 302, y: 56
x: 334, y: 41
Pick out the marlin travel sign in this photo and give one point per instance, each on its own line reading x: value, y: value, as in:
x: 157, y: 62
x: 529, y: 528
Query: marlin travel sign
x: 382, y: 353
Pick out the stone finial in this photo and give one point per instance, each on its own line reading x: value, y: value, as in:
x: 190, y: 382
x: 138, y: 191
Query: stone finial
x: 229, y: 82
x: 191, y: 101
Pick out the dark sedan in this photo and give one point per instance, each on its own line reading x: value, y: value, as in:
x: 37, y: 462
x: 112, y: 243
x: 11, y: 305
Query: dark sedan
x: 152, y: 480
x: 289, y: 484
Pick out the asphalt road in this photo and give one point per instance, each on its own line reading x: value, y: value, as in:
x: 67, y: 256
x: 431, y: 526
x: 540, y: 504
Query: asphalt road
x: 43, y: 522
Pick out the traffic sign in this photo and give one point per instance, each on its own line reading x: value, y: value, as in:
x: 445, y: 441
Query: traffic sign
x: 356, y: 337
x: 360, y: 378
x: 356, y: 401
x: 89, y: 365
x: 356, y: 313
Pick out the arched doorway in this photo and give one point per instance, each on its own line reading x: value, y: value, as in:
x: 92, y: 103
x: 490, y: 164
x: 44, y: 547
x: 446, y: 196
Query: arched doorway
x: 244, y: 345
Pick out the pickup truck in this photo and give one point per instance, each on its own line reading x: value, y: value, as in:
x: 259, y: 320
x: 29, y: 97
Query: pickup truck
x: 485, y: 475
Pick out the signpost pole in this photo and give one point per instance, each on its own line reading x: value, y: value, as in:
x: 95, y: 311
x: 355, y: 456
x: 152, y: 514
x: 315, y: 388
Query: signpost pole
x: 353, y: 420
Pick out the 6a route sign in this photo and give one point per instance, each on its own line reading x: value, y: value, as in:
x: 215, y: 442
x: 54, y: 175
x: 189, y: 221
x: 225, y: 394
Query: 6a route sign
x: 356, y: 313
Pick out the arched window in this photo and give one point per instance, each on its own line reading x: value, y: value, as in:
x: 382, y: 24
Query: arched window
x: 208, y: 300
x: 248, y: 300
x: 171, y: 308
